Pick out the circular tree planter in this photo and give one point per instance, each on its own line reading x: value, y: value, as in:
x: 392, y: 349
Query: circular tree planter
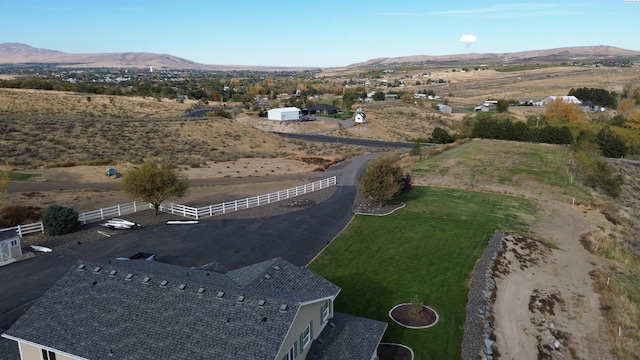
x: 401, y: 314
x: 393, y: 351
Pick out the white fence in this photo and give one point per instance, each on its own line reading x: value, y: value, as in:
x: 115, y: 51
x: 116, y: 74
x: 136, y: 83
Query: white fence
x: 231, y: 206
x: 22, y: 230
x: 183, y: 210
x: 113, y: 211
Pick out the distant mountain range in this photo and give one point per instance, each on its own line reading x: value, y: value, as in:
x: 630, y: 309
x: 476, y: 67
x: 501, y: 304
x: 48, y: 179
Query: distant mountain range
x: 16, y: 53
x: 565, y: 54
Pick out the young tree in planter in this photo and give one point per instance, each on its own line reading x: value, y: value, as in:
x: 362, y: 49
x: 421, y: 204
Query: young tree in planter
x: 154, y: 182
x: 383, y: 180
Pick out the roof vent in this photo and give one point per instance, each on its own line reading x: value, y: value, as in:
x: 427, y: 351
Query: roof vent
x: 261, y: 302
x: 332, y: 325
x: 264, y: 319
x: 240, y: 298
x: 267, y: 276
x: 277, y: 268
x: 97, y: 269
x: 129, y: 277
x: 81, y: 267
x: 201, y: 291
x: 113, y: 272
x: 94, y: 283
x: 146, y: 280
x: 182, y: 287
x: 283, y: 307
x: 164, y: 283
x: 320, y: 341
x: 220, y: 294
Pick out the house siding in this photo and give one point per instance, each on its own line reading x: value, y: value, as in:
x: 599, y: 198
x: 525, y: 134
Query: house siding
x: 306, y: 314
x: 30, y: 352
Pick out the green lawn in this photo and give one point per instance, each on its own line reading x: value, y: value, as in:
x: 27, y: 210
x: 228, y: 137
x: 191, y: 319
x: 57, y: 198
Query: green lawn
x: 428, y: 249
x: 16, y: 176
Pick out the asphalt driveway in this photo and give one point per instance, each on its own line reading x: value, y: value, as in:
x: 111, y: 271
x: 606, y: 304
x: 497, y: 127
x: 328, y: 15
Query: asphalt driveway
x: 297, y: 237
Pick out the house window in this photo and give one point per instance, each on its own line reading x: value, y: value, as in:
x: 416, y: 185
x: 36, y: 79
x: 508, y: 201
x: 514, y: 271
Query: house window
x: 291, y: 354
x: 14, y: 243
x: 305, y: 338
x: 324, y: 312
x: 48, y: 355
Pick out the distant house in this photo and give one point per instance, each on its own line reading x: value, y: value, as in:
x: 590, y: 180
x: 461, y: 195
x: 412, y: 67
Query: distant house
x: 445, y: 108
x: 588, y: 106
x: 390, y: 96
x: 284, y: 114
x: 322, y: 109
x: 9, y: 245
x: 139, y: 309
x: 568, y: 99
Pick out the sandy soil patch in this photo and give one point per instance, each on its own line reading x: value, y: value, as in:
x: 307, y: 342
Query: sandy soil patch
x: 290, y: 127
x: 545, y: 306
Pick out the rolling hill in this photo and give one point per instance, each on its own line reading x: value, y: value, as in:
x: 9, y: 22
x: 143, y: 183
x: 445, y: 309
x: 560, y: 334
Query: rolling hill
x: 16, y: 53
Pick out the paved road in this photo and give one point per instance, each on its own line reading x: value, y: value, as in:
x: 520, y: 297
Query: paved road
x: 352, y: 141
x: 297, y: 237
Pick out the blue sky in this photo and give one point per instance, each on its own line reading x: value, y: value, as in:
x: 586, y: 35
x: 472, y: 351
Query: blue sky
x: 315, y: 33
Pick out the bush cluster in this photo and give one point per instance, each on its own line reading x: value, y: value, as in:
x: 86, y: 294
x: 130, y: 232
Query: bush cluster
x: 60, y: 220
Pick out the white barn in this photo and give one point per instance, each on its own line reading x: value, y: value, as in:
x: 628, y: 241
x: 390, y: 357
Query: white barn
x: 568, y: 99
x: 284, y: 114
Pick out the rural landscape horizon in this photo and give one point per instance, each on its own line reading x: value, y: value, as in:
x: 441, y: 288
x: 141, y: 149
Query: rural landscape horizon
x: 283, y: 181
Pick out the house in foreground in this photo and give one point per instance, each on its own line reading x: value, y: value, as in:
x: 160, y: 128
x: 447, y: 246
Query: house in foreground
x: 137, y: 309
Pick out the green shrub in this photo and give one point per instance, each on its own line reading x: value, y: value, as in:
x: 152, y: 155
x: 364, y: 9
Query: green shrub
x: 60, y: 220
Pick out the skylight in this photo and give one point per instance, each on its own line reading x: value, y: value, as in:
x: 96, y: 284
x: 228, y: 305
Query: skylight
x: 97, y: 269
x: 261, y: 302
x: 182, y: 287
x: 201, y: 291
x: 220, y: 294
x: 129, y: 276
x: 113, y: 272
x: 283, y: 307
x: 164, y: 283
x: 240, y: 298
x: 81, y: 267
x: 146, y: 280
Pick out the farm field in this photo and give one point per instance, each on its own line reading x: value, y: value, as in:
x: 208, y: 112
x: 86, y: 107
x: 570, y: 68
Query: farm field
x: 427, y: 249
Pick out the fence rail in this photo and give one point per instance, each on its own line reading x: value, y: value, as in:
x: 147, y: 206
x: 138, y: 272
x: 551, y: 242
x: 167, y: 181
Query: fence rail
x: 109, y: 212
x: 235, y: 205
x: 22, y: 230
x: 183, y: 210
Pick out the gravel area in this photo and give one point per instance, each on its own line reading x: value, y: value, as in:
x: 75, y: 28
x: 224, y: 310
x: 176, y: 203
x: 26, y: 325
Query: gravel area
x: 477, y: 342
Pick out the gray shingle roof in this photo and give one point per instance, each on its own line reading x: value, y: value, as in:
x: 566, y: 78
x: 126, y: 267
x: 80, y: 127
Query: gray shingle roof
x: 347, y: 337
x: 159, y: 311
x: 278, y: 276
x: 9, y: 349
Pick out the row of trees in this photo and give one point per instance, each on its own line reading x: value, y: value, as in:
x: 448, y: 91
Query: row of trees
x: 488, y: 126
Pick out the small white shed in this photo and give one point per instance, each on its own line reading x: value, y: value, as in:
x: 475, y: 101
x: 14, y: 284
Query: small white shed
x: 9, y: 245
x: 284, y: 114
x: 360, y: 118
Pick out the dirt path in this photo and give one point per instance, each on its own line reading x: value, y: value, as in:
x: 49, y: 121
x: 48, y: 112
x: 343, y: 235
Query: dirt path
x: 547, y: 294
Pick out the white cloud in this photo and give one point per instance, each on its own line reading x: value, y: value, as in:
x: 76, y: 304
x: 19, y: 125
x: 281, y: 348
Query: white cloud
x: 468, y: 39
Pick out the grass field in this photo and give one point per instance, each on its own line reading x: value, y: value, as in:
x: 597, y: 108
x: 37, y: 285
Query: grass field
x: 428, y: 249
x: 504, y: 166
x: 17, y: 176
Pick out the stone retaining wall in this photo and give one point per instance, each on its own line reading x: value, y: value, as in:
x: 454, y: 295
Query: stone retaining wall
x: 477, y: 342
